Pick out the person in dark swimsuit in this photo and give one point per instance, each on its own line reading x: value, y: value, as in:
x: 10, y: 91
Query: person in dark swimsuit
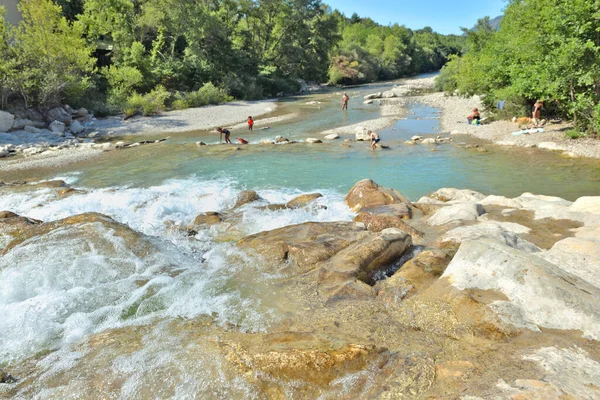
x: 224, y: 131
x: 374, y: 139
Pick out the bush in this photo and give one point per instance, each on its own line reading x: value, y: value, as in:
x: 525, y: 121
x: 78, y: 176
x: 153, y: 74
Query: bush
x: 574, y: 134
x: 207, y: 94
x: 180, y: 104
x: 148, y: 104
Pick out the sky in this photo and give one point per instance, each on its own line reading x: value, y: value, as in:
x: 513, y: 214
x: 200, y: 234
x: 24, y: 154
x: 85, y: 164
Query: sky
x: 444, y: 16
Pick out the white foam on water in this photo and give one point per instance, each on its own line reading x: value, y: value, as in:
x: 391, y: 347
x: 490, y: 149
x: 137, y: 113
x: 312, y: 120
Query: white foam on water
x: 78, y: 280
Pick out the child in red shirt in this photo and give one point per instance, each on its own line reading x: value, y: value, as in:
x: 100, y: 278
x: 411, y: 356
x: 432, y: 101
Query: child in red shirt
x: 250, y: 123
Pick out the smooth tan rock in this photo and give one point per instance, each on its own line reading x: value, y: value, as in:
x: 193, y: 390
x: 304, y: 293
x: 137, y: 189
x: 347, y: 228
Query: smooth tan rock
x: 208, y: 218
x: 589, y: 204
x: 368, y: 194
x: 245, y: 197
x: 456, y: 213
x: 304, y: 245
x: 51, y: 184
x: 303, y: 200
x: 452, y: 194
x: 361, y: 260
x: 135, y: 241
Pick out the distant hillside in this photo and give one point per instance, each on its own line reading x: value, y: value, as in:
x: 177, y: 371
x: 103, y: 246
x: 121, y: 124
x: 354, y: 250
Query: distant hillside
x: 495, y: 23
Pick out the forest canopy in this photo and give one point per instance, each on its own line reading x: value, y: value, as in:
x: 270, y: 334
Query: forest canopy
x: 137, y: 55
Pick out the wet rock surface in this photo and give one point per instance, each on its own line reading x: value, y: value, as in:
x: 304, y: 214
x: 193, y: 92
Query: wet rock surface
x: 502, y: 304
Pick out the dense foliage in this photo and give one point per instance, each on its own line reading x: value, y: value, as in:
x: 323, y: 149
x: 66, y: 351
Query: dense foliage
x: 140, y: 56
x: 548, y: 50
x: 369, y: 52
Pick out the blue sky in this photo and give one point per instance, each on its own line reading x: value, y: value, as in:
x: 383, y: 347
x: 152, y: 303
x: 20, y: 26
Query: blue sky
x: 444, y: 16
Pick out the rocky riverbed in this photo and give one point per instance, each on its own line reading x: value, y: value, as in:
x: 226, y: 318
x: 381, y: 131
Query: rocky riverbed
x: 457, y: 295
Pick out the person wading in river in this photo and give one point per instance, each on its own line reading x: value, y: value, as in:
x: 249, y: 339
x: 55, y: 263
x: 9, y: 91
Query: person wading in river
x: 345, y: 100
x: 224, y: 131
x: 374, y: 139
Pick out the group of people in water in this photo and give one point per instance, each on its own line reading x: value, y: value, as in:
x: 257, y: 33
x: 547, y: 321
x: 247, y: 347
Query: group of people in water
x: 374, y: 136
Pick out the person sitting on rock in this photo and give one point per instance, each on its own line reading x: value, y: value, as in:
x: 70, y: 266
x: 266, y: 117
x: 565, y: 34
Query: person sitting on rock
x: 374, y: 139
x: 224, y: 131
x: 474, y: 118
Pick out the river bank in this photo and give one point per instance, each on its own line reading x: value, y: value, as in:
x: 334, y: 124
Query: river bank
x: 453, y: 120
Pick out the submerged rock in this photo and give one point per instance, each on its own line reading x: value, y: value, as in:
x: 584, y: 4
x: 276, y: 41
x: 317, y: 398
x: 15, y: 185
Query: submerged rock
x: 333, y: 136
x: 303, y: 200
x: 135, y: 241
x: 368, y: 194
x: 245, y: 197
x: 313, y: 140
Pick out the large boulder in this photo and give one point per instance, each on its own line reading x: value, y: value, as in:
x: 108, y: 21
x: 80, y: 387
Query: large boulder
x: 34, y: 115
x: 91, y: 226
x: 456, y: 213
x: 533, y: 293
x: 578, y: 255
x: 361, y: 134
x: 303, y: 246
x: 500, y: 201
x: 504, y: 232
x: 589, y: 204
x: 59, y: 114
x: 81, y: 113
x: 379, y: 222
x: 452, y: 194
x: 303, y: 200
x: 6, y: 121
x: 76, y: 128
x: 57, y: 127
x: 368, y: 194
x: 245, y: 197
x: 13, y: 226
x: 363, y: 259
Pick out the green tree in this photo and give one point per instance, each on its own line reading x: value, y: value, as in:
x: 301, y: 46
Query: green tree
x: 54, y: 62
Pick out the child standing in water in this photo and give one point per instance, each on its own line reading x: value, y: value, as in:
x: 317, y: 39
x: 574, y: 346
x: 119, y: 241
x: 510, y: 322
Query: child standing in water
x: 224, y: 131
x: 250, y: 123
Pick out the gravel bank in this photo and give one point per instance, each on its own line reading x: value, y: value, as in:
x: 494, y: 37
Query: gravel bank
x: 191, y: 119
x: 49, y: 159
x: 453, y: 120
